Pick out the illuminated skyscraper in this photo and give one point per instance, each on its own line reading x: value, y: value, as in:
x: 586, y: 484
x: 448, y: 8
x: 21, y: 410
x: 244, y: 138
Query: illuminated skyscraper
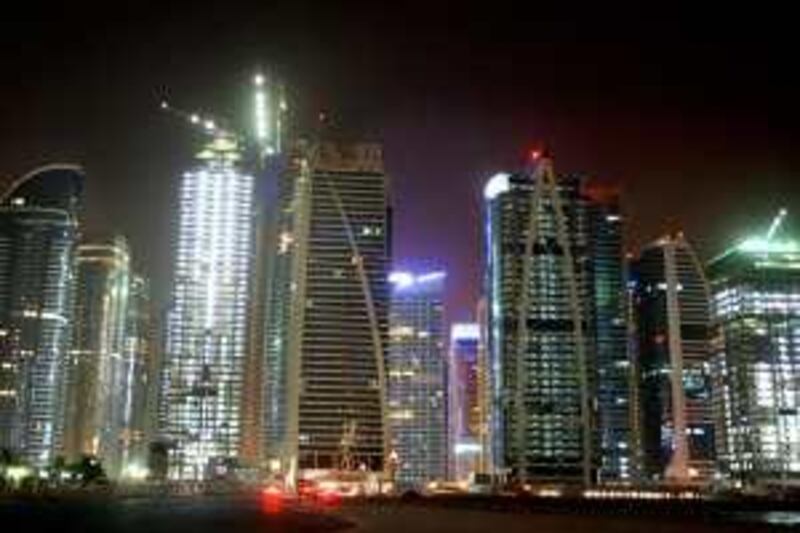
x: 672, y: 303
x: 539, y: 294
x: 327, y: 310
x: 142, y: 392
x: 756, y: 317
x: 486, y: 465
x: 270, y: 113
x: 38, y: 231
x: 206, y: 343
x: 417, y: 378
x: 98, y: 384
x: 465, y: 408
x: 555, y: 329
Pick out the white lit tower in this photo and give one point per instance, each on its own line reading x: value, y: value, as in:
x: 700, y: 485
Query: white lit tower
x: 204, y: 388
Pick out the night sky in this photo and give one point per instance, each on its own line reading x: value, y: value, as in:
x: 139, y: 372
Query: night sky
x: 694, y: 113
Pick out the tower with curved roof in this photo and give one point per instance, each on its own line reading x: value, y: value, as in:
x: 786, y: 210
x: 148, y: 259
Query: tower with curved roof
x: 38, y: 231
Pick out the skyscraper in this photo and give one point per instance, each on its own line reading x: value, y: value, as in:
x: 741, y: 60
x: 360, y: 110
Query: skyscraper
x: 38, y: 231
x: 465, y: 398
x: 608, y: 331
x: 756, y: 319
x: 204, y: 360
x: 672, y: 302
x: 485, y: 417
x: 269, y: 133
x: 141, y: 357
x: 417, y: 378
x: 538, y: 288
x: 327, y: 311
x: 98, y: 384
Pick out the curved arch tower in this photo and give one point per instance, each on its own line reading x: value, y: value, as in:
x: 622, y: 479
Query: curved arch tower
x: 38, y: 233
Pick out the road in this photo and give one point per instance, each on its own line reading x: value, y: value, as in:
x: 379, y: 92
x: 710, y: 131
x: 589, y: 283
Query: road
x: 250, y: 515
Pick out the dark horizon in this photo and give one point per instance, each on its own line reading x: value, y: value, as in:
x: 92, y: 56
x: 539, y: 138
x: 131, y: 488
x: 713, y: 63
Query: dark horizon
x: 694, y: 116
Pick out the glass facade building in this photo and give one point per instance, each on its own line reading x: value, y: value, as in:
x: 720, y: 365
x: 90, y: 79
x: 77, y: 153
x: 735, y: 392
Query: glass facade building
x: 98, y: 372
x: 608, y: 333
x: 558, y: 364
x: 38, y: 233
x: 672, y: 311
x: 417, y: 375
x: 327, y: 313
x: 539, y: 289
x: 756, y: 318
x: 207, y: 327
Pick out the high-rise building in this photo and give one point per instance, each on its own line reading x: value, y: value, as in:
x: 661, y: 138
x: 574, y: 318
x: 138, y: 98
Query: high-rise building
x: 486, y: 465
x: 207, y: 328
x: 270, y: 125
x: 539, y: 291
x: 756, y: 319
x: 38, y: 231
x: 636, y: 448
x: 140, y: 355
x: 672, y: 304
x: 327, y: 310
x: 98, y: 385
x: 251, y: 450
x: 417, y: 378
x: 465, y: 399
x: 608, y: 327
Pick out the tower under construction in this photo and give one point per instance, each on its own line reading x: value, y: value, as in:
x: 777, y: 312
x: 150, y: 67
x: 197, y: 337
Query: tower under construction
x: 756, y: 318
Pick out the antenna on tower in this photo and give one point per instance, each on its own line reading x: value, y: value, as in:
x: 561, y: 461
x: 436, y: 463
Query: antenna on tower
x: 776, y: 223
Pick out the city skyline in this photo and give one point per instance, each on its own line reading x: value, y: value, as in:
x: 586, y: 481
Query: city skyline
x: 374, y: 266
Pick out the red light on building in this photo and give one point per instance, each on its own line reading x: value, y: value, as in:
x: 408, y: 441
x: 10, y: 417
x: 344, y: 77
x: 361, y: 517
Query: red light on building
x: 536, y: 154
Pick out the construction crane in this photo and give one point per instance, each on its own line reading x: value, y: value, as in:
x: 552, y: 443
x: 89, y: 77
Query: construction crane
x: 203, y: 123
x: 265, y: 136
x: 776, y: 224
